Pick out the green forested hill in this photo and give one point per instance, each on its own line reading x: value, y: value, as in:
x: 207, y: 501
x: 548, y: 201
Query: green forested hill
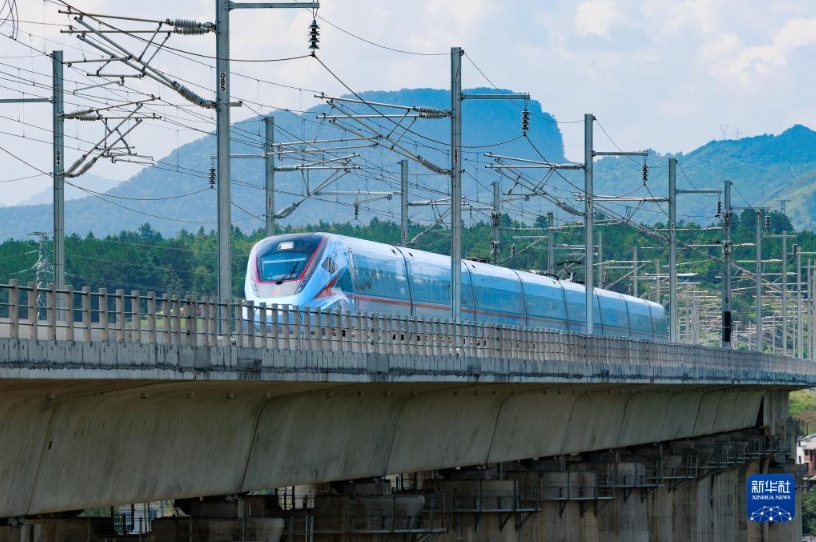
x: 764, y: 169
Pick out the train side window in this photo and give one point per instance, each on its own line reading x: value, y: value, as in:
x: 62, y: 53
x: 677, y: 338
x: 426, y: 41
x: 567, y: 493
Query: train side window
x: 329, y: 265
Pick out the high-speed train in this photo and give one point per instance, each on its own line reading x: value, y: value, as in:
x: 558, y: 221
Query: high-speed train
x: 322, y: 270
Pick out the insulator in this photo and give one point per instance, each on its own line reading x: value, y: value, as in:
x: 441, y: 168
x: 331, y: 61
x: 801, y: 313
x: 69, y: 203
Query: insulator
x: 356, y: 210
x: 513, y: 249
x: 525, y: 120
x: 191, y: 96
x: 430, y: 112
x: 77, y: 115
x: 188, y: 26
x: 434, y: 115
x: 314, y: 36
x: 494, y: 219
x: 768, y: 222
x: 645, y: 170
x: 795, y: 249
x: 212, y: 177
x: 86, y: 116
x: 719, y: 209
x: 433, y: 167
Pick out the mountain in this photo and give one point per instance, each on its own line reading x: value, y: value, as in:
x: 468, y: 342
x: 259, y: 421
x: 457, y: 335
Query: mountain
x: 78, y: 188
x: 175, y: 193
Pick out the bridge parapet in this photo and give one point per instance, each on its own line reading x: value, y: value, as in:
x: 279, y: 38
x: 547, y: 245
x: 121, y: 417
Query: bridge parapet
x: 363, y: 343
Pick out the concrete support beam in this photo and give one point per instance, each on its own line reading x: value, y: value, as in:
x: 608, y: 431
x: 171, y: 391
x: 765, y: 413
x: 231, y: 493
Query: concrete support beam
x: 90, y: 444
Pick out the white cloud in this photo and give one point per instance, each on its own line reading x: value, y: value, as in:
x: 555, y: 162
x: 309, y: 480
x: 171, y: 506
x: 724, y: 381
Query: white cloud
x: 595, y: 17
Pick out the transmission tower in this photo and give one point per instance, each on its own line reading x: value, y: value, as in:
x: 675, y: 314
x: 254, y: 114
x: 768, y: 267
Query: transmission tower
x: 43, y: 271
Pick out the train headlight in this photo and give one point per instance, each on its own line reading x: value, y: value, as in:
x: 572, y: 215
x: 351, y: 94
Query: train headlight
x: 255, y: 288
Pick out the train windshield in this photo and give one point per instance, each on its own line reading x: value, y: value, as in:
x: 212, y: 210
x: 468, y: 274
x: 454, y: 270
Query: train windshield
x: 281, y: 266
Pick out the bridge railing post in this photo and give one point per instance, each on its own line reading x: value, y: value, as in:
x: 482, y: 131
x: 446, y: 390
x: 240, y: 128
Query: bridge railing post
x: 87, y: 333
x: 120, y: 316
x: 191, y: 320
x: 135, y: 317
x: 165, y: 312
x: 310, y: 328
x: 175, y: 318
x: 51, y: 311
x: 285, y: 329
x: 263, y: 326
x: 297, y: 329
x: 473, y: 339
x: 436, y: 336
x: 330, y: 335
x: 212, y: 320
x: 274, y: 326
x: 14, y: 308
x: 357, y: 328
x: 31, y: 309
x: 104, y: 314
x: 248, y: 316
x: 379, y: 334
x: 235, y: 325
x: 344, y: 330
x: 69, y: 313
x: 415, y: 343
x: 151, y: 317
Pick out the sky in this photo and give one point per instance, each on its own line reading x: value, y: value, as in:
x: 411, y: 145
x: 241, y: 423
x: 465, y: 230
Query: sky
x: 660, y: 74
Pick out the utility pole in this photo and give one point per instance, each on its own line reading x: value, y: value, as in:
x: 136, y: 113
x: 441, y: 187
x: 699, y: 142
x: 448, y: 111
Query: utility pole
x: 758, y: 339
x: 269, y: 173
x: 726, y: 293
x: 658, y: 292
x: 784, y: 292
x: 673, y: 323
x: 589, y: 194
x: 798, y: 254
x: 784, y: 237
x: 58, y: 170
x: 456, y: 172
x: 589, y: 203
x: 600, y: 261
x: 456, y: 183
x: 635, y: 272
x: 58, y: 159
x: 222, y: 135
x: 673, y: 192
x: 404, y: 202
x: 550, y: 243
x: 495, y: 246
x: 222, y: 132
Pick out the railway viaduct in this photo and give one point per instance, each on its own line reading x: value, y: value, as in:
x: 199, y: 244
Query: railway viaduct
x: 387, y: 428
